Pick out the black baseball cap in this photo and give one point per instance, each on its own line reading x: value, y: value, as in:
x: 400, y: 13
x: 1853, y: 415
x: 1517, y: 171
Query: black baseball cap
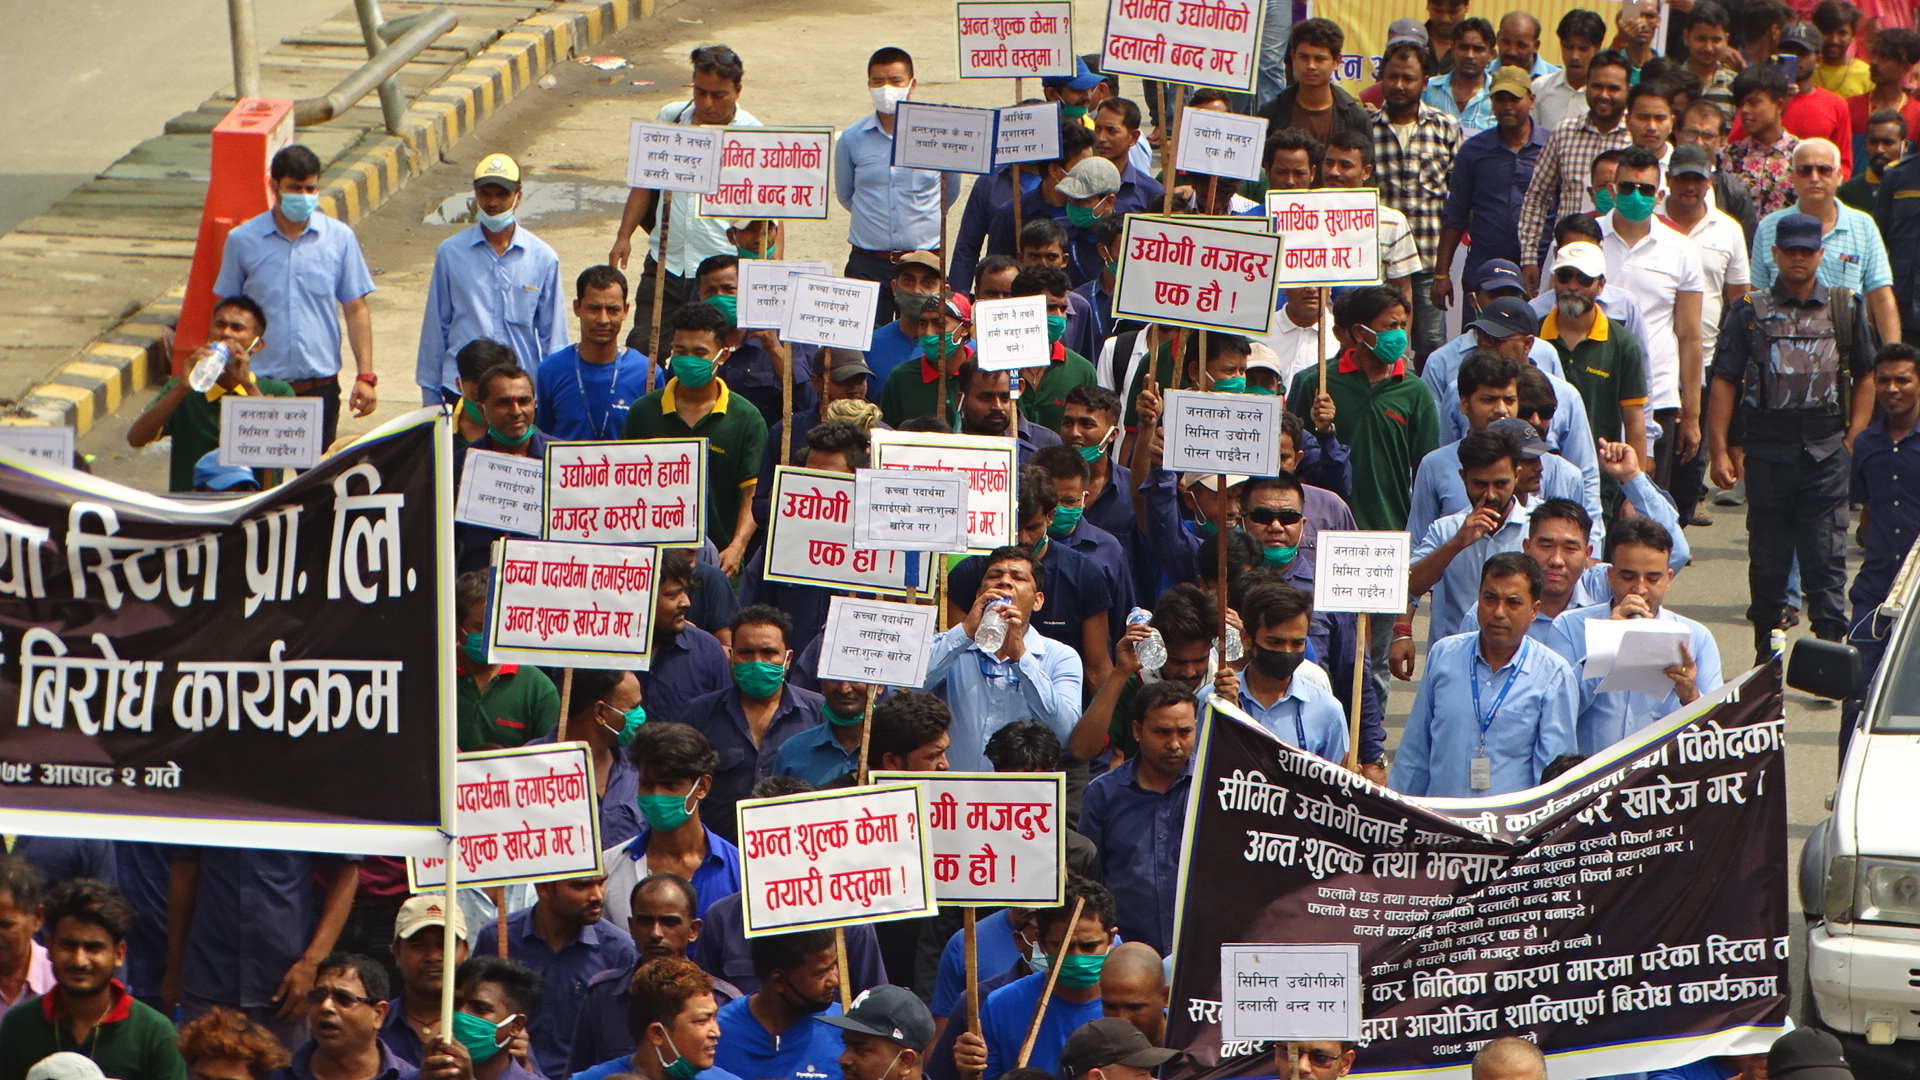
x: 1505, y: 317
x: 1109, y: 1041
x: 888, y: 1012
x: 1532, y: 446
x: 1807, y: 1054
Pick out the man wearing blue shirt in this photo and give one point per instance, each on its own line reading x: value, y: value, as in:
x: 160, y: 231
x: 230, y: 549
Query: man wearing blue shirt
x: 774, y: 1033
x: 1044, y: 202
x: 1891, y: 494
x: 891, y: 211
x: 1134, y: 814
x: 1462, y: 92
x: 1298, y: 712
x: 675, y: 764
x: 564, y: 937
x: 1495, y: 708
x: 675, y: 1015
x: 1448, y: 558
x: 1560, y: 539
x: 495, y: 280
x: 916, y: 280
x: 1116, y: 131
x: 300, y: 267
x: 688, y: 662
x: 824, y: 754
x: 584, y: 390
x: 1489, y: 181
x: 1080, y: 949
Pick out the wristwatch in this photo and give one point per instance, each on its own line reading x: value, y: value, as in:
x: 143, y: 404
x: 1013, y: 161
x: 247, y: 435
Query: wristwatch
x: 368, y: 377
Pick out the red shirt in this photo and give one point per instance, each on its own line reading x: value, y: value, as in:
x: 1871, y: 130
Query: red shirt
x: 1860, y: 106
x: 1816, y: 114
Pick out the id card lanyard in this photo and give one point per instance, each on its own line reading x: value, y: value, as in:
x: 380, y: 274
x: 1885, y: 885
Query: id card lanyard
x: 1481, y: 767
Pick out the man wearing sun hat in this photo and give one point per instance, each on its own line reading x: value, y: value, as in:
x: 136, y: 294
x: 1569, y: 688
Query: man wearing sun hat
x: 419, y: 951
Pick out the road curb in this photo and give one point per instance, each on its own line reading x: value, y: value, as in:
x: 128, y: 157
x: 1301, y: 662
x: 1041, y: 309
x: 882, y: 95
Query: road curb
x: 135, y: 354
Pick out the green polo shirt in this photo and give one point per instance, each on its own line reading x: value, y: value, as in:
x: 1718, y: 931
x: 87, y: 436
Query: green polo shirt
x: 912, y: 390
x: 736, y: 438
x: 518, y: 704
x: 1045, y: 402
x: 1607, y: 369
x: 132, y: 1042
x: 1388, y: 427
x: 195, y: 427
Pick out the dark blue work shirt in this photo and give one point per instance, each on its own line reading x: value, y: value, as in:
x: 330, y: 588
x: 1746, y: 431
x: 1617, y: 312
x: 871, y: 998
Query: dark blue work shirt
x: 989, y: 196
x: 750, y: 372
x: 721, y: 719
x: 619, y: 814
x: 803, y: 422
x: 1896, y: 208
x: 1886, y: 479
x: 712, y: 602
x: 1110, y: 557
x: 686, y: 665
x: 144, y: 873
x: 1072, y: 584
x: 722, y: 950
x: 806, y: 605
x: 1138, y: 833
x: 392, y: 1066
x: 563, y: 975
x: 601, y: 1032
x: 890, y: 348
x: 253, y: 916
x: 399, y: 1037
x: 1485, y: 188
x: 1001, y: 239
x: 63, y: 858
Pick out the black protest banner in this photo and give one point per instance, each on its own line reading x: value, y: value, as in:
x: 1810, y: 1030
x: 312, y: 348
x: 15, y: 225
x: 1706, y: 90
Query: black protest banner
x: 270, y: 671
x: 1630, y: 916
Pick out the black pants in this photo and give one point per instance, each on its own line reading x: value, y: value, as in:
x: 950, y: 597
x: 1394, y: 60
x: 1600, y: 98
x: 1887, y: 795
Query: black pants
x: 329, y: 395
x: 1669, y: 421
x: 1689, y: 485
x: 679, y: 291
x: 867, y: 267
x: 1799, y: 508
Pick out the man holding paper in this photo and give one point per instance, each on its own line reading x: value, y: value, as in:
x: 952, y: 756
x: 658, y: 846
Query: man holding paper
x: 1624, y: 694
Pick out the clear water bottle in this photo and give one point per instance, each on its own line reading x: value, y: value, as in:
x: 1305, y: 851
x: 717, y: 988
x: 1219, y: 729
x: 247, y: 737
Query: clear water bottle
x: 991, y: 634
x: 1151, y: 650
x: 208, y: 371
x: 1235, y: 650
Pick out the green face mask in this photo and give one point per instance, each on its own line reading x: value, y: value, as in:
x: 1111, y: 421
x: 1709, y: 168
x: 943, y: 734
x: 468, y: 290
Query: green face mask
x: 1279, y: 556
x: 1091, y: 454
x: 472, y: 409
x: 665, y: 813
x: 748, y: 253
x: 1073, y: 112
x: 1603, y: 201
x: 1077, y: 970
x: 477, y: 1035
x: 680, y: 1068
x: 1633, y: 205
x: 1065, y: 518
x: 1207, y: 528
x: 1113, y: 268
x: 1232, y: 384
x: 837, y: 720
x: 498, y: 439
x: 693, y: 372
x: 630, y: 722
x: 935, y: 347
x: 729, y: 306
x: 1081, y: 217
x: 474, y: 647
x: 758, y: 679
x: 1261, y: 390
x: 1389, y: 346
x: 1056, y: 328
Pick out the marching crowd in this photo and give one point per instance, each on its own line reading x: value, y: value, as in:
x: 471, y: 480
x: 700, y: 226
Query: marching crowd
x: 1680, y: 262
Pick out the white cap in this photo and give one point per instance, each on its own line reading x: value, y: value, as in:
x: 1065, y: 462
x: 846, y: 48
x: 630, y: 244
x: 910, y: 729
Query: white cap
x: 1207, y: 480
x: 1264, y: 358
x: 65, y: 1065
x: 1582, y: 256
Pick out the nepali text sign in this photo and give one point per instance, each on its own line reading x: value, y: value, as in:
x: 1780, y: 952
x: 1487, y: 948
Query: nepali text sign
x: 1271, y: 992
x: 1006, y: 41
x: 877, y: 642
x: 1198, y: 42
x: 834, y: 858
x: 1628, y: 916
x: 1362, y: 571
x: 526, y: 814
x: 648, y: 491
x: 834, y: 312
x: 54, y: 444
x: 1204, y: 276
x: 766, y: 290
x: 987, y: 461
x: 1222, y: 433
x: 996, y: 839
x: 1026, y: 133
x: 810, y: 539
x: 1332, y: 237
x: 950, y: 138
x: 1221, y: 144
x: 571, y: 605
x: 269, y: 432
x: 501, y: 491
x: 772, y: 173
x: 897, y: 510
x: 1012, y: 333
x: 273, y: 671
x: 673, y: 157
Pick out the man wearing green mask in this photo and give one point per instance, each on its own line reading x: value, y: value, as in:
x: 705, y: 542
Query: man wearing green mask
x: 1043, y: 390
x: 606, y: 713
x: 756, y: 357
x: 492, y: 999
x: 1070, y: 528
x: 1079, y: 948
x: 674, y: 1012
x: 1077, y: 94
x: 498, y: 705
x: 913, y: 386
x: 824, y: 754
x: 675, y: 765
x: 508, y: 406
x: 1091, y: 188
x: 747, y: 722
x: 475, y: 358
x: 1090, y: 426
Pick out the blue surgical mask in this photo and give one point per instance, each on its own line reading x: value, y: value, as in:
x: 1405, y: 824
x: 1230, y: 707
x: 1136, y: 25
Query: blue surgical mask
x: 494, y: 223
x: 298, y: 206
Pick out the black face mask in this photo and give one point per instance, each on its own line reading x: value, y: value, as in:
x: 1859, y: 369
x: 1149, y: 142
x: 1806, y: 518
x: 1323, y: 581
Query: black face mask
x: 1276, y: 664
x: 807, y: 1006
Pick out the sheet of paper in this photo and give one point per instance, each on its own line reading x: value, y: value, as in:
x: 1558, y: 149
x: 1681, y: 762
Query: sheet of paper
x: 270, y: 432
x: 1631, y: 654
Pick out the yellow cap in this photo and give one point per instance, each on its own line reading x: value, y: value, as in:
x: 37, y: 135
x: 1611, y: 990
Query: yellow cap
x: 497, y: 169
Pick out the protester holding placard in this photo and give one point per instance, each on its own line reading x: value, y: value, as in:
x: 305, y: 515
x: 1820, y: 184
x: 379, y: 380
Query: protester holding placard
x: 1079, y: 949
x: 756, y: 359
x: 917, y: 283
x: 829, y: 753
x: 1043, y: 391
x: 1133, y: 813
x: 190, y: 416
x: 420, y: 954
x: 585, y: 389
x: 499, y: 704
x: 507, y: 404
x: 914, y: 389
x: 564, y: 938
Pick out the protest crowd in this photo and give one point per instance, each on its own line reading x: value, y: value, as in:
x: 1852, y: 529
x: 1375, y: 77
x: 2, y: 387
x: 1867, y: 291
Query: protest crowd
x: 1668, y: 273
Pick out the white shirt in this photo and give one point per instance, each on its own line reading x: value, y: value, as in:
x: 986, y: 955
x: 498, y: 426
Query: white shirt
x: 1399, y: 255
x: 1654, y: 272
x: 1554, y: 100
x: 694, y: 237
x: 1298, y: 347
x: 1723, y: 261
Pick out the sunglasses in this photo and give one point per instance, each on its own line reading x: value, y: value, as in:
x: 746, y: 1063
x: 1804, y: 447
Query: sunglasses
x: 1268, y: 517
x: 1804, y: 171
x: 342, y: 998
x: 1568, y: 275
x: 1536, y: 412
x: 1632, y: 187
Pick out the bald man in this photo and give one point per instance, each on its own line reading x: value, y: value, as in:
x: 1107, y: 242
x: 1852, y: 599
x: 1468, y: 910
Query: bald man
x: 1856, y: 256
x: 1508, y: 1058
x: 1133, y: 987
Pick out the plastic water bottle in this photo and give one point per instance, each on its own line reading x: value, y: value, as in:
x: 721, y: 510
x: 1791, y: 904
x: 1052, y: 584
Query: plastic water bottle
x: 1777, y: 642
x: 1151, y: 650
x: 209, y: 369
x: 991, y: 634
x: 1235, y: 650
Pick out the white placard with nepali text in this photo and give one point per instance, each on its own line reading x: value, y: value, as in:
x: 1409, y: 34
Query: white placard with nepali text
x: 950, y: 138
x: 832, y: 311
x: 1011, y: 333
x: 772, y: 173
x: 1221, y: 144
x: 1309, y: 993
x: 648, y: 491
x: 1332, y: 236
x: 1210, y: 277
x: 1222, y: 433
x: 501, y: 491
x: 1361, y: 571
x: 810, y: 539
x: 1198, y: 42
x: 1007, y: 41
x: 877, y: 641
x: 766, y: 290
x: 1027, y: 133
x: 270, y: 432
x: 563, y: 604
x: 987, y: 461
x: 996, y: 838
x: 53, y: 444
x: 673, y: 157
x: 834, y: 858
x: 523, y: 815
x: 901, y: 510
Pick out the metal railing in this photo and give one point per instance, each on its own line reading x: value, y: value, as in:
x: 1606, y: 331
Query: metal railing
x: 391, y: 45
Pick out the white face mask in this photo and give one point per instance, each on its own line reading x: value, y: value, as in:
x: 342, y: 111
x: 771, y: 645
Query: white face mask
x: 888, y: 98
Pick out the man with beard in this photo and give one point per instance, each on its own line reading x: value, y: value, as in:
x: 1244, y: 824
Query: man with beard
x: 824, y: 754
x: 1560, y: 176
x: 1599, y: 356
x: 772, y: 1033
x: 1886, y: 143
x: 1413, y: 146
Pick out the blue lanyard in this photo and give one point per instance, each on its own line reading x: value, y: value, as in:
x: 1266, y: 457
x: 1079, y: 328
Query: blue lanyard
x: 1473, y: 680
x: 600, y: 428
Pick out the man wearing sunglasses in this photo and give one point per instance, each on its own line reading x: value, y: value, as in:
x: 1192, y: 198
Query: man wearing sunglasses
x: 346, y: 1007
x: 1854, y: 254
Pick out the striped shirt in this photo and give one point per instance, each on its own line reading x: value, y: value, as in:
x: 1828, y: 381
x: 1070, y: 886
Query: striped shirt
x: 1560, y: 179
x: 1853, y: 255
x: 1412, y: 174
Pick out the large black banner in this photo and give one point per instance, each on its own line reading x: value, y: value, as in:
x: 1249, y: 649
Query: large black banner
x: 268, y: 671
x: 1630, y: 916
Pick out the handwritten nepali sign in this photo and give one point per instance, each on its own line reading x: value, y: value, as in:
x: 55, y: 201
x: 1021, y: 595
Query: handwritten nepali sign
x: 772, y: 173
x: 526, y: 814
x: 1221, y: 144
x: 270, y: 432
x: 53, y: 444
x: 1027, y: 133
x: 766, y: 290
x: 895, y: 510
x: 1012, y: 333
x: 648, y: 491
x: 830, y: 311
x: 945, y: 137
x: 1005, y: 41
x: 1303, y: 992
x: 996, y: 839
x: 1222, y: 433
x: 501, y: 491
x: 987, y: 461
x: 834, y: 858
x: 810, y: 540
x: 1332, y: 236
x: 1204, y: 276
x: 1199, y: 42
x: 673, y: 157
x: 1362, y: 571
x: 571, y: 605
x: 877, y: 641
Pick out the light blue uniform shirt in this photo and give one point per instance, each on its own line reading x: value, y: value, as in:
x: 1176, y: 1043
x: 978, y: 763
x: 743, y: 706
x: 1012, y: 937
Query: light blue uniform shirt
x: 889, y: 209
x: 1853, y: 254
x: 1540, y: 67
x: 1541, y: 628
x: 1476, y: 117
x: 1531, y: 726
x: 1306, y: 716
x: 1459, y: 586
x: 1607, y: 718
x: 514, y: 299
x: 986, y: 694
x: 300, y: 284
x: 1569, y: 434
x: 1439, y: 491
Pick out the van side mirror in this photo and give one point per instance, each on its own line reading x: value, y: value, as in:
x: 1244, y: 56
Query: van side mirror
x: 1828, y: 669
